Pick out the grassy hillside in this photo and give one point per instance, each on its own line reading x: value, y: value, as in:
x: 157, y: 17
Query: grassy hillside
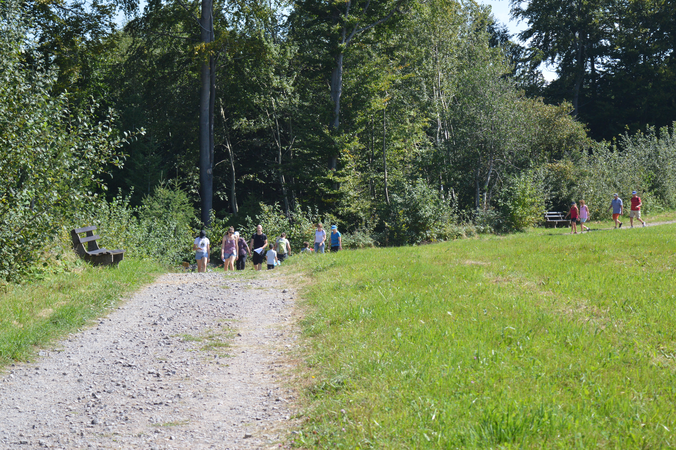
x: 539, y: 340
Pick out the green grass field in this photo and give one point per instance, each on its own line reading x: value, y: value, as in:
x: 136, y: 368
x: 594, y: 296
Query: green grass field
x: 534, y: 340
x: 38, y: 313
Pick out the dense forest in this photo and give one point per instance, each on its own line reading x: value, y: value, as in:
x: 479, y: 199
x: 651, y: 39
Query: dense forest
x: 400, y: 120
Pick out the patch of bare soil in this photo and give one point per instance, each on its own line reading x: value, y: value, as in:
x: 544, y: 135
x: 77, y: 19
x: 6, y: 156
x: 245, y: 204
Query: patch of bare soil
x: 193, y: 361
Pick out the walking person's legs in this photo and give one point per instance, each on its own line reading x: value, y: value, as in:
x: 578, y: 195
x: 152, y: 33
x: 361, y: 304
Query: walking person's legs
x: 202, y: 265
x: 616, y: 218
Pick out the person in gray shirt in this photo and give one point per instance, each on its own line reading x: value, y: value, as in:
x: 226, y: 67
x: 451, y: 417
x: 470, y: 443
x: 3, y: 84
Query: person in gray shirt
x: 617, y: 206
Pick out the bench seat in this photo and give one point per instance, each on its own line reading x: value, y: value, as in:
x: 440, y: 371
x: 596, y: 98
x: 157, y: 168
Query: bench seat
x: 93, y: 254
x: 554, y: 218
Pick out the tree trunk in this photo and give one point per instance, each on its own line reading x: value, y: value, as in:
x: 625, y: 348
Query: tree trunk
x: 579, y: 77
x: 277, y: 134
x: 387, y: 194
x: 337, y: 74
x: 336, y: 93
x: 372, y: 189
x: 206, y: 118
x: 233, y: 178
x: 488, y: 181
x: 234, y: 208
x: 477, y: 194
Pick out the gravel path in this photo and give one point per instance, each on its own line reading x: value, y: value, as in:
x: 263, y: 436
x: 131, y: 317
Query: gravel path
x: 193, y: 361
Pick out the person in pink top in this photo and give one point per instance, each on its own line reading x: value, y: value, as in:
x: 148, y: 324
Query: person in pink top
x: 635, y: 209
x: 229, y: 249
x: 584, y: 215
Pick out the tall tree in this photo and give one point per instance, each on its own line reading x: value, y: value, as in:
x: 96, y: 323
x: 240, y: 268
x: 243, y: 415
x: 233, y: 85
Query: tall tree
x: 206, y: 116
x: 572, y: 35
x: 337, y: 24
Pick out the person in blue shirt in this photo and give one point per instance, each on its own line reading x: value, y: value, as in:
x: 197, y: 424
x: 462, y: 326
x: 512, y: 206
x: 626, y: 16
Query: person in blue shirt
x: 618, y: 208
x: 336, y: 240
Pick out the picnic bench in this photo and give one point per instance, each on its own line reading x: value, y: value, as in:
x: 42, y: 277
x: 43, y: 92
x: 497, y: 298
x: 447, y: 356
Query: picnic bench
x: 554, y: 218
x: 93, y: 254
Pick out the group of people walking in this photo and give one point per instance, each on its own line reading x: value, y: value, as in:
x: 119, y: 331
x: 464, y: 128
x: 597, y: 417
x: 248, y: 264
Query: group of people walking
x: 581, y: 215
x: 235, y: 249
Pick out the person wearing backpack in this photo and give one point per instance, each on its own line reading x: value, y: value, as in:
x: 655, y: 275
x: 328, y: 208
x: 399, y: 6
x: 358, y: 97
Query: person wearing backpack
x: 282, y: 247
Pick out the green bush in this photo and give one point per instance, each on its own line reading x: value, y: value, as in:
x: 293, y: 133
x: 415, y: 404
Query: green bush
x: 358, y: 239
x: 159, y: 229
x: 417, y: 213
x: 51, y: 157
x: 521, y: 202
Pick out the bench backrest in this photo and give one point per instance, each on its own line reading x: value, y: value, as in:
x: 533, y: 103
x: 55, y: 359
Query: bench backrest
x: 90, y: 240
x: 554, y: 215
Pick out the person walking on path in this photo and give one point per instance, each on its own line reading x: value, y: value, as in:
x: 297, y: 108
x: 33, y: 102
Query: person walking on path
x: 584, y: 215
x: 271, y: 255
x: 574, y: 214
x: 202, y: 247
x: 618, y: 207
x: 258, y: 244
x: 336, y: 239
x: 229, y: 249
x: 320, y: 238
x: 282, y: 247
x: 635, y: 209
x: 242, y: 251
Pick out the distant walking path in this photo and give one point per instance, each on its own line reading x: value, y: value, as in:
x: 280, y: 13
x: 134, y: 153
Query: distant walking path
x: 625, y: 226
x: 193, y: 361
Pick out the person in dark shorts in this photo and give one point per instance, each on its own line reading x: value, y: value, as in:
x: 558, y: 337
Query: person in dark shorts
x: 618, y: 209
x: 336, y: 239
x: 282, y: 247
x: 258, y: 244
x: 574, y: 214
x: 202, y: 246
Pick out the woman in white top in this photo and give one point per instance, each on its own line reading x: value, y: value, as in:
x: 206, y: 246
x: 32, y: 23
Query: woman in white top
x: 320, y: 238
x: 202, y: 248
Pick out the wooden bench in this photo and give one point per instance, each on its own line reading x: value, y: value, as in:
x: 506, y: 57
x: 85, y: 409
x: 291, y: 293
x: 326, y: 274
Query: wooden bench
x: 554, y: 218
x: 93, y: 254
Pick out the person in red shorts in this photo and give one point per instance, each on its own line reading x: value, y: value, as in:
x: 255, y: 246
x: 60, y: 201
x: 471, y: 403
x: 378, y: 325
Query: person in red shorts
x: 618, y: 208
x: 574, y: 214
x: 635, y: 209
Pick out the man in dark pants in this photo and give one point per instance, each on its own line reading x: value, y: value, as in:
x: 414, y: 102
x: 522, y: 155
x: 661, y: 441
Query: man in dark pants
x: 242, y: 252
x: 258, y: 244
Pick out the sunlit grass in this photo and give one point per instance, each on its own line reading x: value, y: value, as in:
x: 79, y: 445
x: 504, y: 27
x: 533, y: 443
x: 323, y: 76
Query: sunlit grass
x: 35, y: 314
x: 534, y: 340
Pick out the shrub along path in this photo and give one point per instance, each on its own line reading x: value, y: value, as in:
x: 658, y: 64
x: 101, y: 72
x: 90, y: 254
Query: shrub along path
x: 191, y: 361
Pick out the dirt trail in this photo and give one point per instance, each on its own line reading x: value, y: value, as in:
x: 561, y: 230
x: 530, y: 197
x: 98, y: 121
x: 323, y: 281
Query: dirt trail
x: 625, y: 226
x: 156, y: 374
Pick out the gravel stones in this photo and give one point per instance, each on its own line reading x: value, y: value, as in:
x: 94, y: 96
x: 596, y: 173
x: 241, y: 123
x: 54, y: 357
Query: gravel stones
x: 193, y: 361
